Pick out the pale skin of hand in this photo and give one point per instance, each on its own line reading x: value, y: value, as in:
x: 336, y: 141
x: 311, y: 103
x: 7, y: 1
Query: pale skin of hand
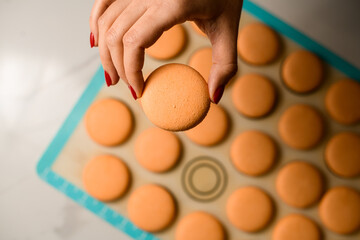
x: 123, y: 29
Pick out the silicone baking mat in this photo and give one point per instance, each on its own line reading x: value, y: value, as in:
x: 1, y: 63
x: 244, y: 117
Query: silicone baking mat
x: 62, y: 162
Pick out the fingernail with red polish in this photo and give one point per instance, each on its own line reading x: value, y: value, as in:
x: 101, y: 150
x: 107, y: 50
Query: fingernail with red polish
x: 92, y: 40
x: 132, y: 92
x: 107, y: 79
x: 218, y: 94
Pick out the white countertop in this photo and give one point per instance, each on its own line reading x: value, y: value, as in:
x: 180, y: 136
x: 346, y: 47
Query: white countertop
x: 46, y: 63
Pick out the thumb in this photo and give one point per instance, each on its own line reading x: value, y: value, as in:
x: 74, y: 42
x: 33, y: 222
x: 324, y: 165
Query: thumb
x: 224, y: 55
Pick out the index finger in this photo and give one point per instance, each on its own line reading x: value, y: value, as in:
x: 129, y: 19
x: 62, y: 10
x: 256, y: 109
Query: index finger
x: 97, y: 10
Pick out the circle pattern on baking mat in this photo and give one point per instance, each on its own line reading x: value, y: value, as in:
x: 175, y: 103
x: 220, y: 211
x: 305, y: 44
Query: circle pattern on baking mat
x: 204, y: 179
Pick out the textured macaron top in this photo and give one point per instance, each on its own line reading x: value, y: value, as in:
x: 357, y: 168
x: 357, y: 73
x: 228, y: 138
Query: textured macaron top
x: 175, y: 97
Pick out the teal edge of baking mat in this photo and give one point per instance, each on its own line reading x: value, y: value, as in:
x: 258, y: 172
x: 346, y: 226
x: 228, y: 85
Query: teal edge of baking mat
x: 102, y: 210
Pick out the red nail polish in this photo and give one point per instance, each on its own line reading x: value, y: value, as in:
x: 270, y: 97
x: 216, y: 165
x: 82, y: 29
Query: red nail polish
x: 107, y: 79
x: 92, y: 40
x: 218, y: 94
x: 132, y: 92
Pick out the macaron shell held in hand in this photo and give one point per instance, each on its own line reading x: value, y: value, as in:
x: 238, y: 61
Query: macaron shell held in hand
x: 169, y: 45
x: 108, y: 122
x: 106, y: 177
x: 151, y: 208
x: 175, y: 97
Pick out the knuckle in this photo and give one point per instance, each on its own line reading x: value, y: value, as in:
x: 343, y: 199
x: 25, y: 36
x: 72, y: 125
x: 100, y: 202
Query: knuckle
x: 179, y: 6
x: 173, y: 7
x: 158, y: 4
x: 101, y: 21
x: 112, y: 37
x: 231, y: 69
x: 228, y: 70
x: 130, y: 39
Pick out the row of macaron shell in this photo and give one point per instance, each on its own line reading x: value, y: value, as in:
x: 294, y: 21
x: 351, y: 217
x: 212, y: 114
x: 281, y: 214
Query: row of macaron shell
x: 302, y: 71
x: 153, y: 208
x: 252, y: 152
x: 287, y: 185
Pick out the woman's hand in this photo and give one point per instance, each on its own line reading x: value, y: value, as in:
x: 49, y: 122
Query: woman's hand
x: 122, y: 29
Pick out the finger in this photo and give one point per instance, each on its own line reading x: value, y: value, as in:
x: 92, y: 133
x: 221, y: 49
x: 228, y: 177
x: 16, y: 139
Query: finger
x: 115, y: 34
x: 141, y: 35
x: 224, y: 55
x: 97, y: 10
x: 104, y: 23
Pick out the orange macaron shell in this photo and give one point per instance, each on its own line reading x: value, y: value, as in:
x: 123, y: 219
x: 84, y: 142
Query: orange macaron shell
x: 342, y: 101
x: 157, y: 150
x: 213, y: 129
x: 199, y: 225
x: 296, y: 227
x: 197, y: 29
x: 201, y: 60
x: 106, y: 177
x: 109, y: 122
x: 339, y: 210
x: 151, y: 207
x: 169, y: 45
x: 258, y: 44
x: 175, y: 97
